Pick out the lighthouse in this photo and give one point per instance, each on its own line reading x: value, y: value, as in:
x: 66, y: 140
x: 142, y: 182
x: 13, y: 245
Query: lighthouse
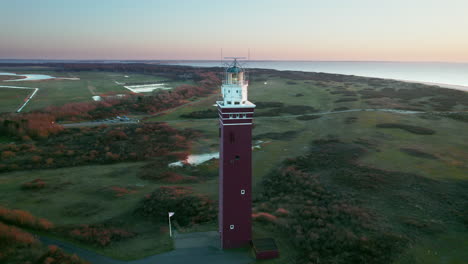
x: 235, y: 160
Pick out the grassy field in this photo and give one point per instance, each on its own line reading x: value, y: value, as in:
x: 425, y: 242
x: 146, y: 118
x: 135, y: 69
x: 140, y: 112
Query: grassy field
x: 90, y: 83
x: 440, y: 157
x: 448, y: 145
x: 84, y: 194
x: 12, y: 99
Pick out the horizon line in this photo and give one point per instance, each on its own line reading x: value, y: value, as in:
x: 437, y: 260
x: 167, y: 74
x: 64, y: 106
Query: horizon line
x: 215, y: 60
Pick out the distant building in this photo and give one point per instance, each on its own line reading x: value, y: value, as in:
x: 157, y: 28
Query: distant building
x: 235, y: 161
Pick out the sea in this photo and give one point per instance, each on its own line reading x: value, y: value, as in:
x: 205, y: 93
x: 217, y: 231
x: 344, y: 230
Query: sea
x: 443, y: 73
x: 455, y: 74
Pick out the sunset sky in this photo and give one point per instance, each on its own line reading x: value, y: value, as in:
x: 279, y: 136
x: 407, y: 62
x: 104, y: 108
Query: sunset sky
x: 378, y: 30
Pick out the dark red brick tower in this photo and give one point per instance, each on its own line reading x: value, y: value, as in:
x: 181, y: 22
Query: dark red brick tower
x: 235, y: 160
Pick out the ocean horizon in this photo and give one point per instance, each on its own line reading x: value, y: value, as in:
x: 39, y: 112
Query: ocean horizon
x: 437, y: 73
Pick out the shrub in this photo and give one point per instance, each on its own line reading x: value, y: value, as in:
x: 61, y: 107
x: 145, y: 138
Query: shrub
x: 100, y: 235
x: 7, y: 154
x: 189, y: 208
x: 35, y: 184
x: 10, y: 234
x: 409, y: 128
x: 308, y: 117
x: 264, y: 217
x: 418, y: 153
x: 55, y: 255
x: 346, y: 100
x: 120, y: 191
x: 24, y: 218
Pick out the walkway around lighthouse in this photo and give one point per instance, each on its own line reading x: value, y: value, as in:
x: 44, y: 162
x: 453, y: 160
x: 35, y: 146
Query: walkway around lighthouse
x: 193, y: 248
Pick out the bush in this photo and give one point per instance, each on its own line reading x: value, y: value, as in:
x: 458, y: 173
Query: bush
x: 308, y: 117
x: 189, y: 208
x: 24, y: 218
x: 100, y: 235
x: 417, y: 153
x: 342, y: 100
x: 408, y: 128
x: 10, y: 234
x: 36, y: 184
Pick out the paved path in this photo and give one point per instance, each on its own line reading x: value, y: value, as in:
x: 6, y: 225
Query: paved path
x: 192, y: 248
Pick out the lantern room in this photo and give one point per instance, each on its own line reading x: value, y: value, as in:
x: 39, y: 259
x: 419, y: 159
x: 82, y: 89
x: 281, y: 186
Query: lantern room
x: 234, y: 89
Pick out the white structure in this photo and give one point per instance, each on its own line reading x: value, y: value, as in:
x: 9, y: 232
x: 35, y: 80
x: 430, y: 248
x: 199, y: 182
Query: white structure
x: 234, y: 88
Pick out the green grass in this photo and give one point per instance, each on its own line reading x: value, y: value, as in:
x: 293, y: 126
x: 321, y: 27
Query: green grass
x: 449, y: 247
x: 68, y: 187
x: 89, y: 184
x: 59, y: 92
x: 12, y: 99
x: 449, y: 144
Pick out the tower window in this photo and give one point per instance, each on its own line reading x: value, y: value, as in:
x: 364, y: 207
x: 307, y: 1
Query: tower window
x: 242, y: 192
x: 237, y: 157
x: 231, y: 227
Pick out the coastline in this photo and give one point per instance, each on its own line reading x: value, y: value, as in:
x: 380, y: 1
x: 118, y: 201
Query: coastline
x: 441, y: 85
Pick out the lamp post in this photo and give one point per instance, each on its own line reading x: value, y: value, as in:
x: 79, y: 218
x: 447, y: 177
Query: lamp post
x: 170, y: 228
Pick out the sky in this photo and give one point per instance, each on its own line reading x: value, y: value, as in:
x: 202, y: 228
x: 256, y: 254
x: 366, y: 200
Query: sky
x: 343, y: 30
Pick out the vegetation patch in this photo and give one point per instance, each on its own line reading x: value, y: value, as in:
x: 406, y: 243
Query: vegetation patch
x: 342, y: 100
x: 99, y: 235
x: 73, y: 147
x: 208, y: 113
x: 82, y: 209
x: 288, y: 135
x: 344, y: 92
x: 418, y: 153
x: 263, y: 105
x: 19, y: 246
x: 24, y: 219
x: 440, y: 99
x: 463, y: 117
x: 35, y: 184
x: 308, y: 117
x: 288, y: 109
x: 350, y: 120
x: 343, y: 108
x: 327, y: 195
x: 409, y: 128
x: 191, y: 208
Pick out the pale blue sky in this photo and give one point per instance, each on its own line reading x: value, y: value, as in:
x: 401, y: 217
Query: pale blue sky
x: 411, y: 30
